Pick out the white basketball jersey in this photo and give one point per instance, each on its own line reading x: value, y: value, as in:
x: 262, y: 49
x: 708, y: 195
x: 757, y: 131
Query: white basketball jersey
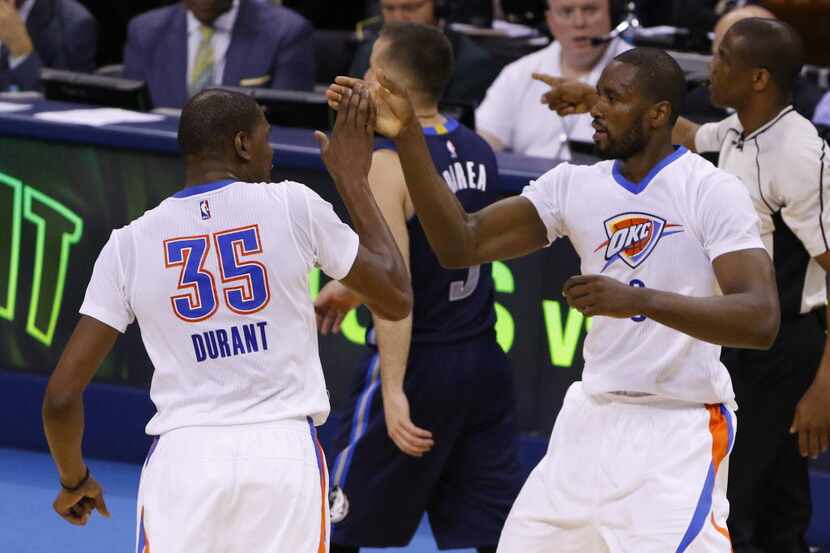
x: 217, y: 277
x: 662, y: 233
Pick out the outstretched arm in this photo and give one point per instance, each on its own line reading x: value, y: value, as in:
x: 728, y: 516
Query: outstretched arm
x: 379, y: 273
x: 746, y: 315
x: 503, y: 230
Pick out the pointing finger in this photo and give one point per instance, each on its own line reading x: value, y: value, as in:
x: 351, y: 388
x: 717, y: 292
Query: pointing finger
x: 548, y: 79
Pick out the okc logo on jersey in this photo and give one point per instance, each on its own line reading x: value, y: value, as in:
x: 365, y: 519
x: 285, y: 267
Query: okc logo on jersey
x: 632, y: 237
x: 204, y: 208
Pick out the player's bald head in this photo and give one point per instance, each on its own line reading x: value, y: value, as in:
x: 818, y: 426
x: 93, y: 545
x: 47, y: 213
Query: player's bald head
x: 212, y: 118
x: 769, y: 44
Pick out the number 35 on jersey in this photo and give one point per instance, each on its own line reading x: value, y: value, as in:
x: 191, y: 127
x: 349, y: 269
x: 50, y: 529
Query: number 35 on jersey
x: 244, y: 280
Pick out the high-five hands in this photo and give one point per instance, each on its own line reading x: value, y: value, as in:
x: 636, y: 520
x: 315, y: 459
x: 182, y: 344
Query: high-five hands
x: 567, y: 96
x: 394, y: 108
x: 348, y: 153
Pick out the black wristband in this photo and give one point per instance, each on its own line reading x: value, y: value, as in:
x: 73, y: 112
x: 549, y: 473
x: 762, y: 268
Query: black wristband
x: 76, y: 487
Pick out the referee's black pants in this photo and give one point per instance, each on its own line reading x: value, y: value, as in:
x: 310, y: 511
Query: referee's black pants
x: 769, y: 487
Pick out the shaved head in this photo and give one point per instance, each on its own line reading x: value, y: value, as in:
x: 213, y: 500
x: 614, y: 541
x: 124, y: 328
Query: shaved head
x: 768, y: 44
x: 210, y: 120
x: 732, y: 17
x: 659, y: 77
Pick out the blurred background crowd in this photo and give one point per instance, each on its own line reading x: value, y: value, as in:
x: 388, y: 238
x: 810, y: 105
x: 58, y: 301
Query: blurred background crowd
x: 179, y: 48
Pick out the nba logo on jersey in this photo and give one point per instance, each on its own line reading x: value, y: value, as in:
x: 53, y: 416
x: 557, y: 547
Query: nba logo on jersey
x: 204, y: 208
x: 632, y: 237
x: 451, y: 148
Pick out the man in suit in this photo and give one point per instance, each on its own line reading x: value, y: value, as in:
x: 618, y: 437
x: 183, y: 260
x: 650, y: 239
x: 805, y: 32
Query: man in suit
x: 195, y: 44
x: 43, y: 33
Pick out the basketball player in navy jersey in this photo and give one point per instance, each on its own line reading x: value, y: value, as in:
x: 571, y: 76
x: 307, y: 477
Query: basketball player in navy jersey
x: 432, y: 425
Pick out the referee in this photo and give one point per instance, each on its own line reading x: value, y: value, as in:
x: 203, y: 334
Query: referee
x: 783, y: 394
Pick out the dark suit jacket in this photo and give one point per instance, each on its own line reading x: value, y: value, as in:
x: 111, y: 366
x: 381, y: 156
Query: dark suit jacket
x: 474, y: 71
x: 64, y: 36
x: 266, y: 41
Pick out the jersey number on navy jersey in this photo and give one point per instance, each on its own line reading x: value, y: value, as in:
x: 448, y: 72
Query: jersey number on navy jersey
x: 244, y: 283
x: 460, y: 290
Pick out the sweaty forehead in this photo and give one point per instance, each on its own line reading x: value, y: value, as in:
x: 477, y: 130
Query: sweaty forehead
x: 618, y: 77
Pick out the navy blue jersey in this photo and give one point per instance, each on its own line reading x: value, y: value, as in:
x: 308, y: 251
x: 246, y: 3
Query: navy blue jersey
x: 453, y: 305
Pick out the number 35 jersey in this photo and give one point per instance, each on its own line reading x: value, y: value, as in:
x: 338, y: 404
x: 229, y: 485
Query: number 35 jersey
x: 217, y: 278
x: 662, y: 233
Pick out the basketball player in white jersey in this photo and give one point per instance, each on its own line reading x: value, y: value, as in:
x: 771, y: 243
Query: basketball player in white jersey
x: 673, y: 267
x: 782, y: 393
x: 216, y: 276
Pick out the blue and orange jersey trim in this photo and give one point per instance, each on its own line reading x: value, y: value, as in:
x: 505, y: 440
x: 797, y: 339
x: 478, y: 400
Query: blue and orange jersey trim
x: 321, y: 466
x: 723, y: 436
x: 143, y: 542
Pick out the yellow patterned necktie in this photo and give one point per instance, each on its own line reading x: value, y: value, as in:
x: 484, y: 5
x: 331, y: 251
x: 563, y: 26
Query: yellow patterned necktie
x: 202, y: 75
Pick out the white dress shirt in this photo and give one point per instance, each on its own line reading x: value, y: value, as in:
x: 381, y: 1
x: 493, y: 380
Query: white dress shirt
x: 511, y: 110
x: 223, y: 27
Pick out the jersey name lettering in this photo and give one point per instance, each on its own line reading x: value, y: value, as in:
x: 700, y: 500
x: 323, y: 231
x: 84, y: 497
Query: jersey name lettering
x: 465, y: 176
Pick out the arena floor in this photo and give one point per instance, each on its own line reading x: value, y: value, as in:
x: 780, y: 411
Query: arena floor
x: 28, y: 524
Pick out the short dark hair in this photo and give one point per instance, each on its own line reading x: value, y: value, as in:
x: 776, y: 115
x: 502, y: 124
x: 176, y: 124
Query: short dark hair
x: 772, y: 44
x: 211, y: 119
x: 659, y: 77
x: 423, y: 52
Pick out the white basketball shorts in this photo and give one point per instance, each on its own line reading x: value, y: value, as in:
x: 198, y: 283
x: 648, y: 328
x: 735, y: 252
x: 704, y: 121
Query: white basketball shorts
x: 235, y: 489
x: 627, y: 475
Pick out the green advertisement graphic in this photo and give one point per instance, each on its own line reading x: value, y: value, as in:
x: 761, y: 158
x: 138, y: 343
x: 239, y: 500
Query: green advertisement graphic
x: 10, y: 208
x: 57, y: 230
x: 562, y: 339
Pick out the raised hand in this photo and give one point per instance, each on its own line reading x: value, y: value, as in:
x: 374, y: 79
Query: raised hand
x: 394, y: 108
x: 567, y: 96
x: 332, y: 305
x: 348, y: 154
